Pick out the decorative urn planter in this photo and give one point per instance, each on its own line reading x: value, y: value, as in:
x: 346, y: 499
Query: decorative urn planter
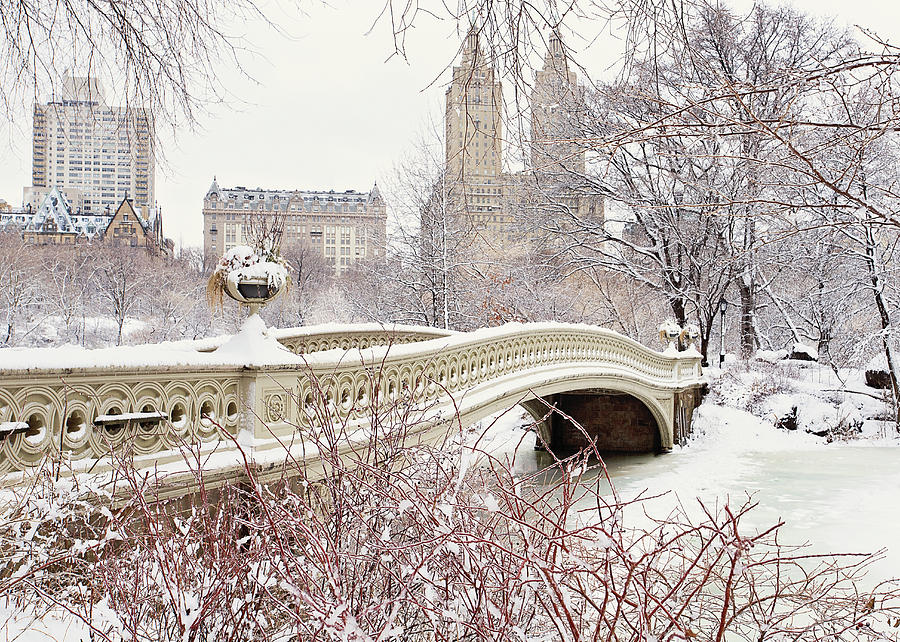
x: 250, y: 276
x: 253, y: 289
x: 669, y: 332
x: 689, y: 336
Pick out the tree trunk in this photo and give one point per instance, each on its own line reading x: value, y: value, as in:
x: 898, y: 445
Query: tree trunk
x: 705, y: 334
x: 884, y: 315
x: 824, y: 346
x: 678, y: 310
x: 749, y: 340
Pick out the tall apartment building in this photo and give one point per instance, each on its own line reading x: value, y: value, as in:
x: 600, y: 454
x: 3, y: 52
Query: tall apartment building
x: 342, y: 227
x: 98, y: 153
x: 474, y: 139
x: 491, y: 200
x: 556, y: 175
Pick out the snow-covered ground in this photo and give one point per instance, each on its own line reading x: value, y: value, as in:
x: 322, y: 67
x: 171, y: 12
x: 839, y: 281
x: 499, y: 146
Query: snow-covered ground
x: 837, y: 492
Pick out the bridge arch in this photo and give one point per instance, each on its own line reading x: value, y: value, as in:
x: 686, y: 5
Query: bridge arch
x: 609, y: 420
x: 534, y: 396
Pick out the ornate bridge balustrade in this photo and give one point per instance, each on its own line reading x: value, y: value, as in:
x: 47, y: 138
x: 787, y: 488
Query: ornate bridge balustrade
x: 121, y: 398
x: 480, y: 373
x: 161, y: 397
x: 81, y: 414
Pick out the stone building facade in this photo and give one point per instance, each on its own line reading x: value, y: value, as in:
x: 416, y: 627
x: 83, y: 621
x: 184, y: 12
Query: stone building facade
x: 474, y: 140
x: 341, y: 227
x: 132, y: 227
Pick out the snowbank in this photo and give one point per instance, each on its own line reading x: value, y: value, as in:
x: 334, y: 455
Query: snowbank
x: 807, y: 398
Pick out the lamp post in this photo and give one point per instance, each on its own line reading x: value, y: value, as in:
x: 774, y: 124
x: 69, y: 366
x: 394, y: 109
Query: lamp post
x: 723, y: 305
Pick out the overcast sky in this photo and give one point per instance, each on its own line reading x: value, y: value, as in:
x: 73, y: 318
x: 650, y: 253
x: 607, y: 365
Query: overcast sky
x: 326, y: 109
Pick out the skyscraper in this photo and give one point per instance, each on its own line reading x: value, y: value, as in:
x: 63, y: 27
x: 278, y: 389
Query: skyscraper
x: 504, y: 206
x: 101, y: 154
x: 474, y: 130
x: 557, y: 181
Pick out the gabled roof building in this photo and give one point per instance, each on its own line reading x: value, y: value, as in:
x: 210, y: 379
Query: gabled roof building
x: 131, y: 226
x: 56, y: 222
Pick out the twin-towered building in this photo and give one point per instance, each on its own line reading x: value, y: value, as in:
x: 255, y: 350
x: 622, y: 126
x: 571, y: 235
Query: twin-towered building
x: 487, y: 197
x: 341, y: 227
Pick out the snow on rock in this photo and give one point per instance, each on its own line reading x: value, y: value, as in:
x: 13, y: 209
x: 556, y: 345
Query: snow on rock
x: 803, y: 352
x: 807, y: 399
x: 876, y: 372
x: 727, y: 429
x: 771, y: 356
x: 808, y: 412
x: 878, y: 362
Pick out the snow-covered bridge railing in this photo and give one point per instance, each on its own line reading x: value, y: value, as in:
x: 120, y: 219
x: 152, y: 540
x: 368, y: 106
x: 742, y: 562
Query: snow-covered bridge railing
x: 77, y: 405
x: 313, y: 338
x: 155, y: 398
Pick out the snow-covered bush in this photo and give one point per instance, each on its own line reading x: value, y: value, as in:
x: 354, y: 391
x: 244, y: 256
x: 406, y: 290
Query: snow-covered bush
x: 800, y: 396
x: 398, y: 542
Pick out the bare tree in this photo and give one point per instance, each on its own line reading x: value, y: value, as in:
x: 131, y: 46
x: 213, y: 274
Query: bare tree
x: 430, y: 265
x: 165, y: 56
x: 310, y: 272
x: 672, y: 148
x: 123, y: 279
x: 18, y: 288
x: 69, y: 275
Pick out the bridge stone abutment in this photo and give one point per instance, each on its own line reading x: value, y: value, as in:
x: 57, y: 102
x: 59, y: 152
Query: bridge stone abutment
x: 684, y: 402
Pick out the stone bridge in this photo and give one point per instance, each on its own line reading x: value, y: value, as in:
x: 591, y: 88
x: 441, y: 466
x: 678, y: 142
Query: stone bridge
x: 221, y: 398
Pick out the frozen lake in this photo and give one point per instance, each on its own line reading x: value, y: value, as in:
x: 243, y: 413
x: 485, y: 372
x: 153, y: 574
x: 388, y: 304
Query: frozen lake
x: 842, y: 497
